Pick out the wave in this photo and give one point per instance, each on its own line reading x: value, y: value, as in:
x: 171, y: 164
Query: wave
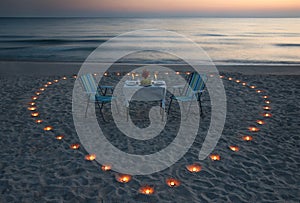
x: 287, y: 45
x: 54, y: 41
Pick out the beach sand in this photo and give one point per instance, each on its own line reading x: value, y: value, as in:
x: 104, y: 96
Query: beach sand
x: 36, y: 167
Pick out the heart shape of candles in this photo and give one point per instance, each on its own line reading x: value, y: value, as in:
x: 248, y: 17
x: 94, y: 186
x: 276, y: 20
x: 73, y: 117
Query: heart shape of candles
x: 171, y: 182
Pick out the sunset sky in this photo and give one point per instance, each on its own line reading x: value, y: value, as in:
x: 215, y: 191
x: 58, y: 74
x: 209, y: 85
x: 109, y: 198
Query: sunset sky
x: 150, y: 7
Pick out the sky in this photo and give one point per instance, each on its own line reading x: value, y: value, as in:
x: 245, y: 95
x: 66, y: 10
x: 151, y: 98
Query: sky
x: 151, y: 8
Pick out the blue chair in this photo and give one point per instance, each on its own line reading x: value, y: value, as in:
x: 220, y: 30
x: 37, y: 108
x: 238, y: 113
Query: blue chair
x: 93, y: 93
x: 192, y: 91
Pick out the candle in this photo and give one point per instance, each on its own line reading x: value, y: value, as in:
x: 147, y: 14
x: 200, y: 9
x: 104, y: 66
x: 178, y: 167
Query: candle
x: 234, y: 148
x: 267, y: 115
x: 194, y: 168
x: 172, y: 182
x: 32, y: 108
x: 123, y: 178
x: 38, y: 121
x: 267, y: 108
x: 247, y: 138
x: 59, y: 137
x: 48, y: 128
x: 106, y: 167
x: 90, y: 157
x: 74, y: 146
x: 260, y: 122
x: 253, y: 129
x: 215, y: 157
x: 35, y: 114
x: 132, y: 75
x: 146, y: 190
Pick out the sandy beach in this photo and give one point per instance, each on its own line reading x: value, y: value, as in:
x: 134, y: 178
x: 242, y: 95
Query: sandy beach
x: 37, y: 167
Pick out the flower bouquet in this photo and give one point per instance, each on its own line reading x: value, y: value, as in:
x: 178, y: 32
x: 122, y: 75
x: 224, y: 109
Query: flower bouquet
x: 145, y: 81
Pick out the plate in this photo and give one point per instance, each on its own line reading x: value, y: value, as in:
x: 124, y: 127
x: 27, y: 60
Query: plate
x: 130, y: 83
x: 159, y: 82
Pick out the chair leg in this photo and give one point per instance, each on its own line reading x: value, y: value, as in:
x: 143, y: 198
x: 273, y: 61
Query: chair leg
x: 201, y: 111
x: 169, y: 107
x: 101, y: 107
x: 87, y: 106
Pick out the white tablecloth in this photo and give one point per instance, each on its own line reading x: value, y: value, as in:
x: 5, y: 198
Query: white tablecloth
x: 149, y: 93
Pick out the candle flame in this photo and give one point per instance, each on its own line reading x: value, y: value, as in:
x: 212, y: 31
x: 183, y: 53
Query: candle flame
x: 75, y: 146
x: 48, y: 128
x: 194, y: 168
x: 172, y: 182
x: 90, y: 157
x: 234, y: 148
x: 253, y: 129
x: 35, y: 114
x: 247, y: 138
x: 123, y: 178
x: 146, y: 190
x: 215, y: 157
x: 39, y: 121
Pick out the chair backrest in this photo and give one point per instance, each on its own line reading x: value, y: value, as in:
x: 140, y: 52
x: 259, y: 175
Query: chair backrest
x: 196, y: 83
x: 88, y: 82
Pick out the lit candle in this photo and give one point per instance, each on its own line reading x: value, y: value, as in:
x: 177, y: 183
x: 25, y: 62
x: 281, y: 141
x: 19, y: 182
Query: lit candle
x: 247, y: 138
x: 31, y: 103
x: 37, y: 93
x: 267, y: 102
x: 260, y: 122
x: 267, y: 108
x: 253, y: 129
x: 229, y: 78
x: 56, y: 81
x: 171, y: 182
x: 237, y: 81
x: 38, y: 121
x: 90, y: 157
x: 234, y: 148
x: 146, y: 190
x: 123, y: 178
x: 221, y: 76
x: 265, y: 97
x: 59, y: 137
x: 48, y: 128
x: 267, y: 115
x: 32, y: 108
x: 64, y: 78
x: 42, y: 89
x: 49, y: 83
x: 75, y: 146
x: 259, y: 91
x: 194, y: 168
x: 35, y: 114
x: 177, y: 73
x: 34, y: 97
x: 252, y: 87
x: 132, y: 76
x: 106, y: 167
x: 215, y: 157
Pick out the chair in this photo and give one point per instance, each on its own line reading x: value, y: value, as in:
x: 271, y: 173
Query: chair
x: 93, y: 93
x: 192, y: 91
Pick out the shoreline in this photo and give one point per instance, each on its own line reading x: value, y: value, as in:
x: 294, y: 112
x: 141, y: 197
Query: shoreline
x: 66, y: 68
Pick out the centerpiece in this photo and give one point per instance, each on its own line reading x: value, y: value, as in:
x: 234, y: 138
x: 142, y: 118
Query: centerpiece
x: 145, y: 81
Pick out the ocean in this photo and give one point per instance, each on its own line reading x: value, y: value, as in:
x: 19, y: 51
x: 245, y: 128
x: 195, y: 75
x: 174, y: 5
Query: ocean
x: 238, y: 41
